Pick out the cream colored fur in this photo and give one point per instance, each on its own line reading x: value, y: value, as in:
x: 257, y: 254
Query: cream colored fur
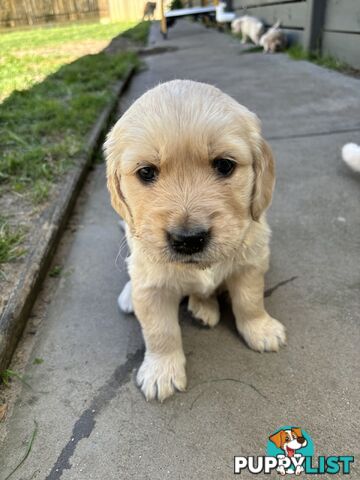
x: 250, y: 28
x: 274, y: 39
x: 180, y: 127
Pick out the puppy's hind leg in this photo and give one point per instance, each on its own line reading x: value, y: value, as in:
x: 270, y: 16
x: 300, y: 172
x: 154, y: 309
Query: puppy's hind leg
x: 205, y: 309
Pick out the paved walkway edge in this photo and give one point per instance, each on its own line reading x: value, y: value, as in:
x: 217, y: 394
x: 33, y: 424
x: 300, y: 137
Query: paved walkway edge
x: 50, y: 227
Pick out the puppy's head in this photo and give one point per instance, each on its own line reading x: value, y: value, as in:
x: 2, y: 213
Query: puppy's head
x: 188, y: 170
x: 236, y: 25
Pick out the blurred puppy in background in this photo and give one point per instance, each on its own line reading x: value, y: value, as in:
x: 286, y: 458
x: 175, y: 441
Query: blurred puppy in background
x: 274, y: 40
x: 149, y: 10
x: 250, y: 28
x: 190, y: 173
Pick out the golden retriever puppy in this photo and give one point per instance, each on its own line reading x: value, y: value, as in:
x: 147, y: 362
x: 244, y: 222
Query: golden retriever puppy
x: 250, y: 28
x: 274, y: 39
x: 190, y: 173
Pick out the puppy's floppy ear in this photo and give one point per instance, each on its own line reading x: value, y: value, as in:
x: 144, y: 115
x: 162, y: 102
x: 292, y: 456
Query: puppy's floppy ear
x: 264, y: 180
x: 278, y: 438
x: 117, y: 198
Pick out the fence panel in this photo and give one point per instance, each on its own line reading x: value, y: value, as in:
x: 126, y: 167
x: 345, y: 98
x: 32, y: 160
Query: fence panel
x: 292, y: 15
x: 29, y: 12
x: 342, y: 15
x: 341, y: 31
x: 343, y: 46
x: 125, y: 10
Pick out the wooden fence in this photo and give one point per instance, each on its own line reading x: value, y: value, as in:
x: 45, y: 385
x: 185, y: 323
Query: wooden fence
x: 123, y: 10
x: 341, y: 30
x: 331, y: 27
x: 15, y: 13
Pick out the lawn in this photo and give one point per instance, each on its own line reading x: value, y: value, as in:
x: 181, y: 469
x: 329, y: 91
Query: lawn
x: 29, y: 56
x: 54, y: 83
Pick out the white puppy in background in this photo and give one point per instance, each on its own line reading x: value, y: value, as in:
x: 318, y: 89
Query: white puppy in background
x: 274, y: 39
x: 351, y: 156
x: 249, y: 28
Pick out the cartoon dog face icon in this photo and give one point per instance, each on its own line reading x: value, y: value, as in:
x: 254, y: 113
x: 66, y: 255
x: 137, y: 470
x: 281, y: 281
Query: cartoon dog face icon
x: 289, y: 440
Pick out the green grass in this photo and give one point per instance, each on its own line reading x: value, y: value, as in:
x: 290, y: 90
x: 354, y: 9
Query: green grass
x: 43, y: 128
x: 57, y: 35
x: 27, y: 452
x: 139, y: 33
x: 29, y: 56
x: 10, y: 242
x: 38, y: 361
x: 7, y: 375
x: 296, y: 52
x: 253, y: 49
x: 55, y: 271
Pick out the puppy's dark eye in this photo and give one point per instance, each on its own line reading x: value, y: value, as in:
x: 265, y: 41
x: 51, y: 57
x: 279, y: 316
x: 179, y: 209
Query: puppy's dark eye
x: 223, y: 166
x: 147, y: 174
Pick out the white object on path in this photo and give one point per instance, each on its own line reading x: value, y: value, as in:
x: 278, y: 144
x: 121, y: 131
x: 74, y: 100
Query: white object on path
x: 222, y: 16
x: 351, y: 156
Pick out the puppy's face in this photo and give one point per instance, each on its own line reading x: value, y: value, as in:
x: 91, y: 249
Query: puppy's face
x: 188, y: 171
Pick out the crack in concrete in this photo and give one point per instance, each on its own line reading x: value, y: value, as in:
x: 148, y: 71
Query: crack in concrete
x: 313, y: 134
x: 86, y: 423
x: 271, y: 290
x: 215, y: 380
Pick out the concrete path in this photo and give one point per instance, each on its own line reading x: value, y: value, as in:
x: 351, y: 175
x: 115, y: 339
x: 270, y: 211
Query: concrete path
x: 93, y: 423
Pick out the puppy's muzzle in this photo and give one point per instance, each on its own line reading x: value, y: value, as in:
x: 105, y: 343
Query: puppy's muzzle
x: 188, y: 241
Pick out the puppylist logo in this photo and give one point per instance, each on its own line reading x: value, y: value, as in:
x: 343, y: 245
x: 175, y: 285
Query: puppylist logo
x: 290, y: 450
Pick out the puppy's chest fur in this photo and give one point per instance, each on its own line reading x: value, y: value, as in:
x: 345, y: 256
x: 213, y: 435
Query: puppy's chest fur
x: 204, y: 282
x: 183, y: 280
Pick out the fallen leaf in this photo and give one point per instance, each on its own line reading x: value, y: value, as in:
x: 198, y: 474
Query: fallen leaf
x: 3, y: 409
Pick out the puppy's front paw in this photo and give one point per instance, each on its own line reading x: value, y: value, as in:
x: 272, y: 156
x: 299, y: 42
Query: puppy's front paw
x: 160, y: 375
x: 125, y: 300
x: 205, y: 309
x: 264, y: 334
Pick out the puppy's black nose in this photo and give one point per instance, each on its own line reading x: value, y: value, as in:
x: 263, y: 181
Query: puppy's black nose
x: 301, y: 440
x: 188, y: 241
